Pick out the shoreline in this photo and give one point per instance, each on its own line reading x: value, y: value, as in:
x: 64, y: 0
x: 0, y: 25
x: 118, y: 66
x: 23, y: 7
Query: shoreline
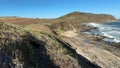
x: 94, y: 29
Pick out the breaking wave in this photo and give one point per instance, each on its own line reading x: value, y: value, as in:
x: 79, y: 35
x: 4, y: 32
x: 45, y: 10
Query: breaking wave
x: 111, y: 30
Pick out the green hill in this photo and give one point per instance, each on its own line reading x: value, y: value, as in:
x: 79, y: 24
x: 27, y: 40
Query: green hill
x: 88, y: 17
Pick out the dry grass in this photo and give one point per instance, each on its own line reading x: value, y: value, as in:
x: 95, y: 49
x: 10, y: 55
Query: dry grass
x: 34, y: 48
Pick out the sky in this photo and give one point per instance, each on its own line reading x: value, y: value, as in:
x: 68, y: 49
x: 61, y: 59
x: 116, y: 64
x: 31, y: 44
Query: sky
x: 57, y: 8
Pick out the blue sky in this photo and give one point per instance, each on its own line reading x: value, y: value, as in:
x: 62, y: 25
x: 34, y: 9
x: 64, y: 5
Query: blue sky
x: 56, y: 8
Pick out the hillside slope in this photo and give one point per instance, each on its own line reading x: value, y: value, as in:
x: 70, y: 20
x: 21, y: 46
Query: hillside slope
x: 20, y: 48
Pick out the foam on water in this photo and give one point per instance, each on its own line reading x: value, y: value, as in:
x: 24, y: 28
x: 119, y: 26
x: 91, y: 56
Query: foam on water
x: 111, y: 30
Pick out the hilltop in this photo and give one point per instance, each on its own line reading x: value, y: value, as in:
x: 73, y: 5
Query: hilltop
x: 88, y: 17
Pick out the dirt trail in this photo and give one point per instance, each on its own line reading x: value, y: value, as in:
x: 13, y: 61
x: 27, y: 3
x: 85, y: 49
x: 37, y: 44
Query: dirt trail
x: 70, y: 33
x: 99, y: 56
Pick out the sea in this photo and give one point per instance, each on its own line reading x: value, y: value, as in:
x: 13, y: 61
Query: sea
x: 109, y: 29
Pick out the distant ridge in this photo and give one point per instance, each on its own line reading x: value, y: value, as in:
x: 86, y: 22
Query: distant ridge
x: 88, y: 17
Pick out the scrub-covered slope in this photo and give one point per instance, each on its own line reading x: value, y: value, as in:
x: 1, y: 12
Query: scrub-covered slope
x: 20, y: 48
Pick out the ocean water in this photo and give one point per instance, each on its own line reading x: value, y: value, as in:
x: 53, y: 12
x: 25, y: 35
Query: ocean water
x: 111, y: 30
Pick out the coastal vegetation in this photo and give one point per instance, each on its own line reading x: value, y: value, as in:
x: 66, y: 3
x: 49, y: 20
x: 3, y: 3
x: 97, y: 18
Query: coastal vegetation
x: 38, y: 43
